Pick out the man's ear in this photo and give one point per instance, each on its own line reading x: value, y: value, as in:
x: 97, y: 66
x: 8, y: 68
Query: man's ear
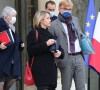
x: 59, y: 10
x: 45, y: 9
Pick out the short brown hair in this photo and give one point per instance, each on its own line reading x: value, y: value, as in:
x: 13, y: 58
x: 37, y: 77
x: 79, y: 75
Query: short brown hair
x: 66, y: 3
x: 49, y: 2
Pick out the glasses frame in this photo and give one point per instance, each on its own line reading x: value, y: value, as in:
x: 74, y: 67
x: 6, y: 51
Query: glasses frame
x: 66, y: 9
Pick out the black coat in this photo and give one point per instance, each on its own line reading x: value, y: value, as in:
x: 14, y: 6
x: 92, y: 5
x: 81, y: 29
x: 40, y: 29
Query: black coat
x: 44, y: 67
x: 53, y: 18
x: 11, y: 52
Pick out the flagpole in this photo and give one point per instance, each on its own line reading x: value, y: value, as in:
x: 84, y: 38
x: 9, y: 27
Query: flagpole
x: 88, y: 78
x: 99, y: 74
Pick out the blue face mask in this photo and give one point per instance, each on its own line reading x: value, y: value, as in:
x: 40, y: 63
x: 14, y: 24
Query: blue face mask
x: 66, y: 14
x: 51, y: 14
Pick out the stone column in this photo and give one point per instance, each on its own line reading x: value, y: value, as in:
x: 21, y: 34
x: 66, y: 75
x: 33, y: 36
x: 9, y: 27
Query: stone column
x: 41, y: 4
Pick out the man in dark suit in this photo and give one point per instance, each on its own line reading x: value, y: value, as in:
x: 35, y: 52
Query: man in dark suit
x: 68, y: 30
x: 50, y: 6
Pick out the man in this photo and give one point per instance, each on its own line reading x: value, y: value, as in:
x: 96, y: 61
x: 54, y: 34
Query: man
x: 67, y: 28
x: 50, y: 6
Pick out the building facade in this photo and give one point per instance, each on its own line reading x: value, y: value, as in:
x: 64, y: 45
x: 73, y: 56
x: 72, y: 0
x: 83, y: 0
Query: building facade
x: 26, y: 10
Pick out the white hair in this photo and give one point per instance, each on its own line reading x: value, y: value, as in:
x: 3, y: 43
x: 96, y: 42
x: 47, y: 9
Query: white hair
x: 8, y: 11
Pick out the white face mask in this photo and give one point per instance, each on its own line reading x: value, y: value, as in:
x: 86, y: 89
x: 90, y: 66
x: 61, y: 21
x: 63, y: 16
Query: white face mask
x: 13, y: 20
x: 52, y: 14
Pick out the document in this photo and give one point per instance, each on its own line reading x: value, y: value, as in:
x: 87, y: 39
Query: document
x: 7, y: 37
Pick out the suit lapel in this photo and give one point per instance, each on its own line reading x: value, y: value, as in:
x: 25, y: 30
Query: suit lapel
x: 59, y: 24
x: 78, y: 31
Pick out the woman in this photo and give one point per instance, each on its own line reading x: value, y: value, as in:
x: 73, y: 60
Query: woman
x: 44, y: 67
x: 9, y: 59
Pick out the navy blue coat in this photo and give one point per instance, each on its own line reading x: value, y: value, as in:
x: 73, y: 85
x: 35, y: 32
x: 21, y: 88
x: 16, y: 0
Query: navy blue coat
x: 11, y: 52
x: 53, y: 18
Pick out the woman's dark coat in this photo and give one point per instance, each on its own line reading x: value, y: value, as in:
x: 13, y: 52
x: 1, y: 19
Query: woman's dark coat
x: 44, y: 67
x: 9, y: 54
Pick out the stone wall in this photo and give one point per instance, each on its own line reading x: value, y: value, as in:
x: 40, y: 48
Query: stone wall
x: 80, y: 10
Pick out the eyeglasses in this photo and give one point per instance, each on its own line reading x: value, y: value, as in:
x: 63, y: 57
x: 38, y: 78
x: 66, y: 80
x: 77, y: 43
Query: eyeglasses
x: 66, y: 9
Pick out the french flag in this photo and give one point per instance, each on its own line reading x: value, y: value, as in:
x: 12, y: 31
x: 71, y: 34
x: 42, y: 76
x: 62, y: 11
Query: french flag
x: 94, y: 60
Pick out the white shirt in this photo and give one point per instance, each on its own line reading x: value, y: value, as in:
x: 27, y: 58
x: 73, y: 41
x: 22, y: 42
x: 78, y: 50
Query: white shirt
x: 77, y: 45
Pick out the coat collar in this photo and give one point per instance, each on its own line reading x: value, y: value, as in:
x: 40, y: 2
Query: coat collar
x: 59, y: 24
x: 3, y: 24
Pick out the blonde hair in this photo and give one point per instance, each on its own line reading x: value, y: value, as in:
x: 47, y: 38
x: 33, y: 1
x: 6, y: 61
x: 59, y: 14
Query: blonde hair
x: 40, y: 15
x: 66, y: 3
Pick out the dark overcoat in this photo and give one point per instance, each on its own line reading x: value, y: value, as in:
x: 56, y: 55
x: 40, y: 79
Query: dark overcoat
x: 44, y: 67
x: 53, y: 18
x: 9, y: 54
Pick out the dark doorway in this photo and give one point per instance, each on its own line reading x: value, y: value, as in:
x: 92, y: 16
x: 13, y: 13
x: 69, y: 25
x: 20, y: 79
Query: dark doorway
x: 25, y: 12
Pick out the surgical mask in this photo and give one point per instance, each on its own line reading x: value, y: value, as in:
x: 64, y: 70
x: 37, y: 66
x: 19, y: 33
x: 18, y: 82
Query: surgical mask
x: 13, y: 20
x: 66, y: 14
x: 51, y: 14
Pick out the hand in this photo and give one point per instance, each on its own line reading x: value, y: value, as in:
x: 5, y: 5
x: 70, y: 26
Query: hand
x: 57, y: 54
x: 2, y: 46
x: 50, y: 42
x: 22, y: 45
x: 85, y: 53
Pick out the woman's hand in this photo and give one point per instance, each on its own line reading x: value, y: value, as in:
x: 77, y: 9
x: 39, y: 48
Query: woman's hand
x: 2, y: 46
x: 57, y: 54
x: 50, y: 42
x: 22, y: 45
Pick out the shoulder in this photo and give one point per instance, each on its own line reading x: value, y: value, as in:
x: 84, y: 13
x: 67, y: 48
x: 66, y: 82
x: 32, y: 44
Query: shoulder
x: 31, y: 35
x: 75, y: 18
x: 55, y: 16
x: 1, y: 19
x: 76, y: 22
x: 31, y: 32
x: 55, y: 22
x: 3, y: 24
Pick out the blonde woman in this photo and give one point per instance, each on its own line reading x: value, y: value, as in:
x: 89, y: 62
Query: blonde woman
x: 44, y: 67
